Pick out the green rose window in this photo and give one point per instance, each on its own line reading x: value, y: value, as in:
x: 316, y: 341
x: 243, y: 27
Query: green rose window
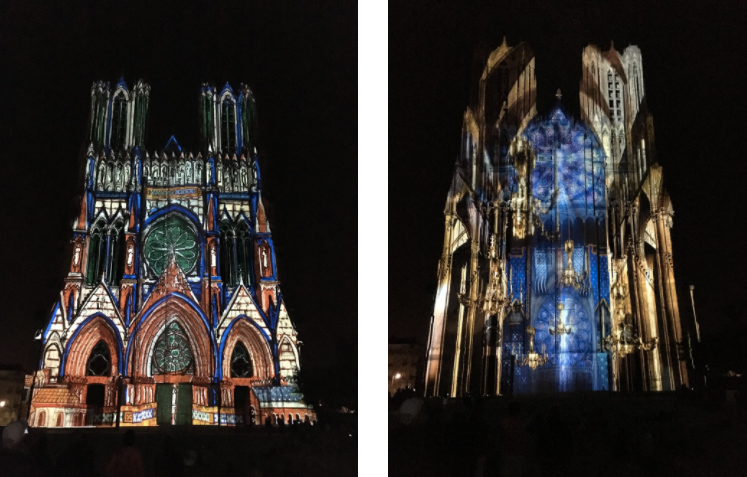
x: 171, y: 237
x: 172, y: 353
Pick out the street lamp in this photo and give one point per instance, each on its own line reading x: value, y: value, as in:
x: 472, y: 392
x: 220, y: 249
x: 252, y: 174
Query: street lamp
x: 396, y: 376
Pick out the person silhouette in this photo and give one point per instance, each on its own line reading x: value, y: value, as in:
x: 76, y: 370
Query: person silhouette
x: 126, y: 461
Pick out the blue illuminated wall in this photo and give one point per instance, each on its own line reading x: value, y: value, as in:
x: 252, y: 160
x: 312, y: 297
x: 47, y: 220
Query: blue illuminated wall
x: 568, y: 180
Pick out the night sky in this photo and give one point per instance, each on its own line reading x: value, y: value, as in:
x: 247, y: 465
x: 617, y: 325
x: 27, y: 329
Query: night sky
x: 301, y: 63
x: 694, y: 72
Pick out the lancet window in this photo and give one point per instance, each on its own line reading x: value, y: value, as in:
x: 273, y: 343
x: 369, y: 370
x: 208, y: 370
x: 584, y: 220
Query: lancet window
x: 207, y: 117
x: 241, y: 362
x: 236, y: 252
x: 244, y: 251
x: 117, y: 244
x: 228, y: 125
x: 227, y: 253
x: 96, y: 253
x: 98, y: 114
x: 119, y: 122
x: 249, y: 122
x: 99, y: 362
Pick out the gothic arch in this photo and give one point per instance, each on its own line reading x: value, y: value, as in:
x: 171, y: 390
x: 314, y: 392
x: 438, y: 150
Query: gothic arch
x: 192, y: 321
x: 52, y: 357
x: 294, y: 350
x: 182, y: 212
x: 95, y: 328
x: 227, y: 120
x: 242, y: 329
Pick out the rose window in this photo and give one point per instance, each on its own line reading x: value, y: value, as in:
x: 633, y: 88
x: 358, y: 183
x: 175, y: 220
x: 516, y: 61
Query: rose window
x: 171, y: 237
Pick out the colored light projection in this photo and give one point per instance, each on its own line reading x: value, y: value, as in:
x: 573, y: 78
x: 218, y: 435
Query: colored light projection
x: 570, y: 316
x: 169, y: 237
x: 569, y: 171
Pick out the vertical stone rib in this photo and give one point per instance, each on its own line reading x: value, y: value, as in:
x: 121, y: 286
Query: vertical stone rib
x: 663, y: 239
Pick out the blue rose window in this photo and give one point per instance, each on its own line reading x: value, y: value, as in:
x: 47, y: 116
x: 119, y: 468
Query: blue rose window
x: 172, y: 353
x: 171, y: 237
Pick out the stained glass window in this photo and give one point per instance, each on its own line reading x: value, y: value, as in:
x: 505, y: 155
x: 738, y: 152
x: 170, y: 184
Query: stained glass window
x: 99, y: 363
x: 241, y: 363
x: 170, y: 237
x: 172, y: 353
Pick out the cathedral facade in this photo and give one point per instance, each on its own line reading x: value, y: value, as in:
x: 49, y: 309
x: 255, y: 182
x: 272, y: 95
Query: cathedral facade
x: 171, y: 312
x: 556, y: 273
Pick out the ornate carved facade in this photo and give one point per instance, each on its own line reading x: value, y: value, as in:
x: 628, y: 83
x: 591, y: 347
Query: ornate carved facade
x: 171, y: 312
x: 556, y: 272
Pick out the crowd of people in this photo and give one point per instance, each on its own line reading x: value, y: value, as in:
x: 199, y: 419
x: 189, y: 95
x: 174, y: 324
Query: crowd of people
x: 254, y: 452
x: 554, y: 435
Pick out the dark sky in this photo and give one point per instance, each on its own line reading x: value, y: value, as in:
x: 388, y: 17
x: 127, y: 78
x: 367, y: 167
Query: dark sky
x: 301, y: 63
x: 694, y: 71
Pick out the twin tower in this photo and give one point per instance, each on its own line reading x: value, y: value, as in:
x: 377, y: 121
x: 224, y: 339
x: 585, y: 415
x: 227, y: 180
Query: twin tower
x: 171, y: 312
x: 556, y: 272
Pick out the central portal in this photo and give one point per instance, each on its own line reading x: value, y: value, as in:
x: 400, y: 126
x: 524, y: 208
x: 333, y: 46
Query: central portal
x: 174, y: 404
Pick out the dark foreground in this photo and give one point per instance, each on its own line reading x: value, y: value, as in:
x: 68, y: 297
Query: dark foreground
x: 198, y: 451
x: 596, y: 434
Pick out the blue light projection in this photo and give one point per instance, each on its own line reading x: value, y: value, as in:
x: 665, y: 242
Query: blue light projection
x: 568, y: 179
x: 569, y: 170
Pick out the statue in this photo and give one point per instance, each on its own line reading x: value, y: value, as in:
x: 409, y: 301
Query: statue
x: 76, y: 255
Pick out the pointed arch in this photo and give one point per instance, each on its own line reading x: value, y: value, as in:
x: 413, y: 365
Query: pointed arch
x: 228, y: 252
x: 227, y: 112
x: 243, y: 329
x: 116, y: 249
x: 189, y: 316
x: 244, y: 250
x: 118, y: 134
x: 96, y: 261
x: 288, y: 357
x: 248, y: 113
x: 95, y: 328
x: 52, y: 358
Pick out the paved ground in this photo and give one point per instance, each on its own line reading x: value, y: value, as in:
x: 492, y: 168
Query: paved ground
x: 591, y: 435
x: 207, y: 451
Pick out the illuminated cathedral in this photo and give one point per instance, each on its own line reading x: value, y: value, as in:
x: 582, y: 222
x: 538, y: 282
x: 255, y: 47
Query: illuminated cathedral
x: 171, y: 312
x: 556, y: 273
